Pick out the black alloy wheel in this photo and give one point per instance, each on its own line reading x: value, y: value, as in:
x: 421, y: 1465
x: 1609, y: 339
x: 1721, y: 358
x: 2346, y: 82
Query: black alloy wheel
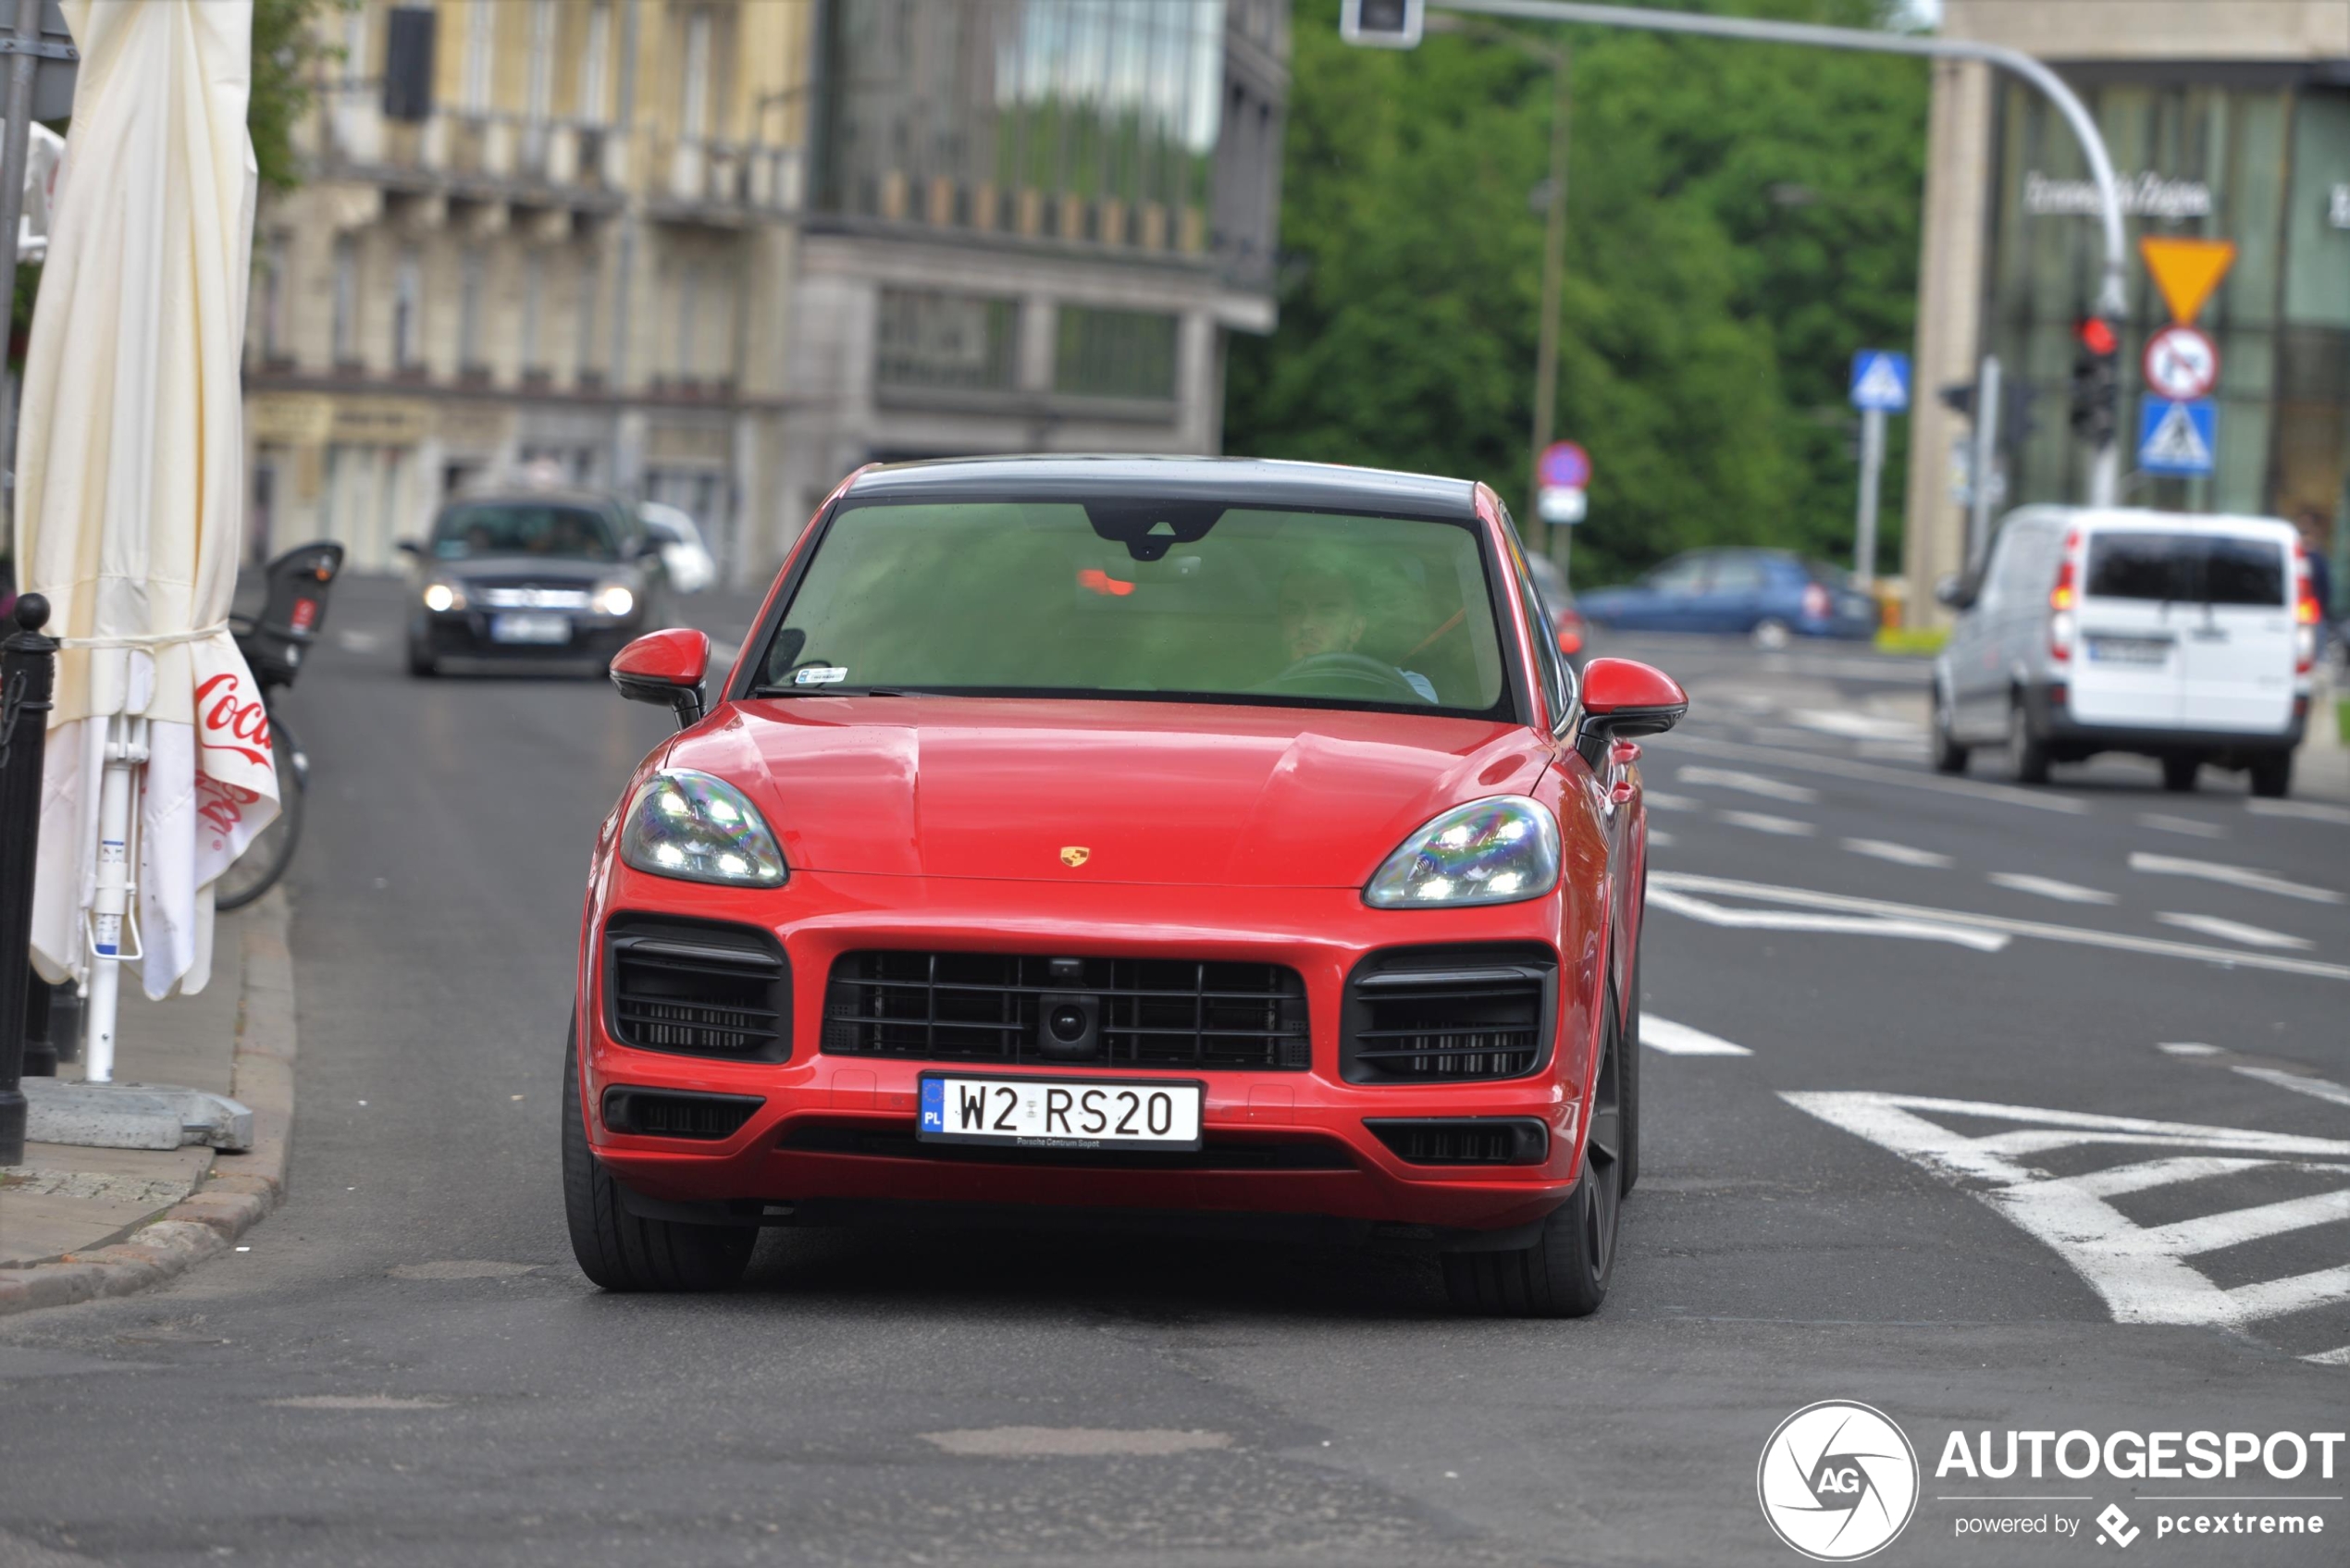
x: 1565, y: 1272
x: 619, y: 1251
x: 1949, y: 756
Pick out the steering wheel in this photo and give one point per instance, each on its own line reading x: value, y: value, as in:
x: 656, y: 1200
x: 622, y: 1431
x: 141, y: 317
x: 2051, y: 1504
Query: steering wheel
x: 1355, y: 675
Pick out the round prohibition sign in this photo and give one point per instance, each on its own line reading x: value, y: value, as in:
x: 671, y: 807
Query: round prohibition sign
x: 2182, y: 364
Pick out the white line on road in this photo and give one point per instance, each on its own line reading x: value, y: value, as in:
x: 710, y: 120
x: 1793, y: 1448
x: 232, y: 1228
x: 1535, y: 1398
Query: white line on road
x: 2233, y: 876
x: 1899, y: 854
x: 1846, y: 925
x: 1857, y: 727
x: 1665, y: 801
x: 2331, y: 1358
x: 1805, y: 762
x: 1687, y: 882
x: 2187, y: 1048
x: 1660, y: 838
x: 1680, y: 1040
x: 2236, y: 931
x: 1763, y: 821
x: 1753, y: 783
x: 2049, y: 887
x: 2307, y: 810
x: 2141, y: 1271
x: 2187, y: 826
x: 2316, y: 1088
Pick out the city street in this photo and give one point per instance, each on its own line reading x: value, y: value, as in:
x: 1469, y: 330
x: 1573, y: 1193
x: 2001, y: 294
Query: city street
x: 1885, y: 1013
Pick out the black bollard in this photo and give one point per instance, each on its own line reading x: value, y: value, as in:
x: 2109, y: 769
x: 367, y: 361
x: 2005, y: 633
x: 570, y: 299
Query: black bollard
x: 40, y: 1045
x: 27, y: 674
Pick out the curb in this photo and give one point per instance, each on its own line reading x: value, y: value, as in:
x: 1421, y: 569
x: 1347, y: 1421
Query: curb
x: 230, y: 1202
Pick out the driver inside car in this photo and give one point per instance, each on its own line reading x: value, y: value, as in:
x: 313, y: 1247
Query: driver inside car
x: 1322, y: 613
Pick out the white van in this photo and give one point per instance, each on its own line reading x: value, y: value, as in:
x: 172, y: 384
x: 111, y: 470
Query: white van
x: 2187, y: 638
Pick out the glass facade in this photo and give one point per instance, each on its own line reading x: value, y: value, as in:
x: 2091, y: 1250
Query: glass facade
x: 1089, y: 121
x: 2240, y: 153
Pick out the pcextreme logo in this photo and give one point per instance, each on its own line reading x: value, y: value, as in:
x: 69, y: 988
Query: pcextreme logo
x: 1837, y: 1481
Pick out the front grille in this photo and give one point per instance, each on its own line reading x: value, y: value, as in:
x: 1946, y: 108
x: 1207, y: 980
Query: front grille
x: 1143, y: 1012
x: 1215, y: 1154
x: 527, y: 594
x: 659, y: 1113
x: 1467, y: 1140
x: 1433, y: 1015
x: 702, y: 990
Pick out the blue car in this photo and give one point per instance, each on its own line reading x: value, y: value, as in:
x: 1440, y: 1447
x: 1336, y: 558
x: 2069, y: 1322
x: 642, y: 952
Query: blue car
x: 1769, y: 595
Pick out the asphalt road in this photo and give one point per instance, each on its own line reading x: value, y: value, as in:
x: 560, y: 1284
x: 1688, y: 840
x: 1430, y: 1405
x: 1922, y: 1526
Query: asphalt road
x: 1903, y: 1192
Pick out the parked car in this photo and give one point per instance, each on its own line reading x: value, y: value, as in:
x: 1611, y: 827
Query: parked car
x: 684, y: 556
x: 1107, y: 836
x: 2187, y: 638
x: 531, y: 574
x: 1772, y: 596
x: 1558, y: 601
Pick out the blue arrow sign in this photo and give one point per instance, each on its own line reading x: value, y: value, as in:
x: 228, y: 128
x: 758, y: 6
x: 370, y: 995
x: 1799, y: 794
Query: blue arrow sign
x: 1880, y: 381
x: 2178, y: 440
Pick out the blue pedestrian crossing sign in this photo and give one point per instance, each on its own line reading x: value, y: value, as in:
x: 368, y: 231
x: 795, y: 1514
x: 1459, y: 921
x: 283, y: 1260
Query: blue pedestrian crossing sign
x: 2177, y: 440
x: 1880, y: 381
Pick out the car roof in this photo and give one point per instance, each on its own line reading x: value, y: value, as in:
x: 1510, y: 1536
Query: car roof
x: 585, y: 500
x: 2143, y: 519
x: 1270, y: 483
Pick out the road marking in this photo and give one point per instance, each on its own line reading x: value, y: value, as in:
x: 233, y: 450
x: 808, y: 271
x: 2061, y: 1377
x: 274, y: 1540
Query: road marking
x: 2187, y: 1048
x: 1665, y: 801
x: 1075, y: 1442
x: 1753, y: 783
x: 1763, y: 821
x: 2233, y: 876
x: 2307, y: 810
x: 1788, y: 920
x: 2187, y: 826
x: 1660, y: 838
x: 1688, y: 881
x: 2331, y: 1358
x: 1934, y: 783
x: 2049, y: 887
x: 2300, y: 1083
x: 1857, y: 727
x: 2236, y: 931
x: 2141, y: 1272
x: 351, y: 639
x: 1893, y: 750
x: 1680, y: 1040
x: 1899, y: 854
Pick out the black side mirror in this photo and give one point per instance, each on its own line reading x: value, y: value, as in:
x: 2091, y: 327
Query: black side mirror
x: 1955, y: 592
x: 411, y: 548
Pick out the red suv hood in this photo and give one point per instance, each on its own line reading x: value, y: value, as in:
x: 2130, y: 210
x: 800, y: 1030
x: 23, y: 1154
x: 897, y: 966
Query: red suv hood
x: 1166, y: 793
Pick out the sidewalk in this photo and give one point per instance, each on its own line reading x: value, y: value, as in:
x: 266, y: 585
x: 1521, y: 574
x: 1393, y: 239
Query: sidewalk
x: 77, y: 1223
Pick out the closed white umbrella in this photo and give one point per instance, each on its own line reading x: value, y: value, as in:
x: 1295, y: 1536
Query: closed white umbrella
x: 129, y: 512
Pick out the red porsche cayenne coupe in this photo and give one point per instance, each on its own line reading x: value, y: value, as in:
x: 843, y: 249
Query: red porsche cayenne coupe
x: 1125, y: 841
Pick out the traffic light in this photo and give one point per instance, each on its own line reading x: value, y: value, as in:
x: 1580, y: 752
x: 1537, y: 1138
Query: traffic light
x: 2097, y: 381
x: 1959, y: 398
x: 1382, y: 24
x: 2016, y: 420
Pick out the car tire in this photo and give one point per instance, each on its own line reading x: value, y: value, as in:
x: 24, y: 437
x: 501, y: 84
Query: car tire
x: 2179, y: 774
x: 1773, y: 633
x: 421, y: 664
x: 619, y: 1251
x: 1949, y: 756
x: 2027, y: 753
x: 2272, y: 774
x: 1565, y: 1272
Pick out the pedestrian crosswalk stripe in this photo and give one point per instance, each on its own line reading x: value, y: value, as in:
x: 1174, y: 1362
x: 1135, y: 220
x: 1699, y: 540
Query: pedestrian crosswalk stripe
x: 2049, y: 887
x: 1715, y: 914
x: 2300, y: 1083
x: 2142, y: 1272
x: 1680, y: 1040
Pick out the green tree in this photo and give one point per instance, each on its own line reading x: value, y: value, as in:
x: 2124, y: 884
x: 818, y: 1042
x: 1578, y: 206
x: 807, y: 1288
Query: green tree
x: 286, y: 46
x: 1740, y: 217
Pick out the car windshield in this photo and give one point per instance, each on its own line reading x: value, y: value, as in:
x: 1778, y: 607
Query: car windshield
x: 1141, y: 598
x: 554, y: 532
x: 2197, y: 568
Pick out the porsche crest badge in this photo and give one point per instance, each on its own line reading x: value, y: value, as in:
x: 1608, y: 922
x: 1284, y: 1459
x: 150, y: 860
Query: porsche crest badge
x: 1075, y: 855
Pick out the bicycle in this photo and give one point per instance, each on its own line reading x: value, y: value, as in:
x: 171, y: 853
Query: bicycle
x: 291, y: 616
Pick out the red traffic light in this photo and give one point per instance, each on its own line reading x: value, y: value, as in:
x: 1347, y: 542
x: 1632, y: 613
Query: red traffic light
x: 2097, y: 337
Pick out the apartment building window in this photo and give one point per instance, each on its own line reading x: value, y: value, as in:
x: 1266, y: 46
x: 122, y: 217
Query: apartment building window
x: 939, y: 341
x: 274, y: 285
x: 583, y: 331
x: 687, y: 361
x: 542, y: 60
x: 534, y: 287
x: 595, y: 63
x: 693, y: 115
x: 354, y: 44
x: 345, y: 329
x: 1113, y: 353
x: 481, y: 38
x: 407, y: 312
x: 473, y: 283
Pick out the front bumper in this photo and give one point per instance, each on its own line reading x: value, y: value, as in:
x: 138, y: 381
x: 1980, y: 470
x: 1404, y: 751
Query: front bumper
x: 834, y: 1132
x: 465, y: 633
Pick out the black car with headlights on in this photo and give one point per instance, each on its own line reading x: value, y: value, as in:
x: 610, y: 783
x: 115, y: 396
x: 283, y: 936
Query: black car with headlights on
x: 532, y: 576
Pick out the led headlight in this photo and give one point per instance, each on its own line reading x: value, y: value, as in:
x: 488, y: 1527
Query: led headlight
x: 442, y: 598
x: 699, y: 828
x: 614, y: 599
x: 1495, y: 851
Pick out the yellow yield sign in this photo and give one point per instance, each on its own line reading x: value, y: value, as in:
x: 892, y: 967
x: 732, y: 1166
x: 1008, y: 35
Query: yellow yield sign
x: 2186, y: 270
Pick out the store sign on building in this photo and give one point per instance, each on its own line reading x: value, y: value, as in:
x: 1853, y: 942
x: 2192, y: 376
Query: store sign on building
x: 2146, y: 194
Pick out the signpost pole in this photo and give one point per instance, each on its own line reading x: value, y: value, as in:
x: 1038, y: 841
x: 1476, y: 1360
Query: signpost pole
x: 1987, y: 458
x: 1871, y: 462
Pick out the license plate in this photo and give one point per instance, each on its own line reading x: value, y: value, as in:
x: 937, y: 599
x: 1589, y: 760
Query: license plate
x: 1060, y: 1113
x: 530, y: 628
x: 2129, y: 650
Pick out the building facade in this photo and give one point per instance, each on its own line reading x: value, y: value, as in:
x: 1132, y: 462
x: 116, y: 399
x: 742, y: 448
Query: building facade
x: 718, y: 252
x: 2225, y: 119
